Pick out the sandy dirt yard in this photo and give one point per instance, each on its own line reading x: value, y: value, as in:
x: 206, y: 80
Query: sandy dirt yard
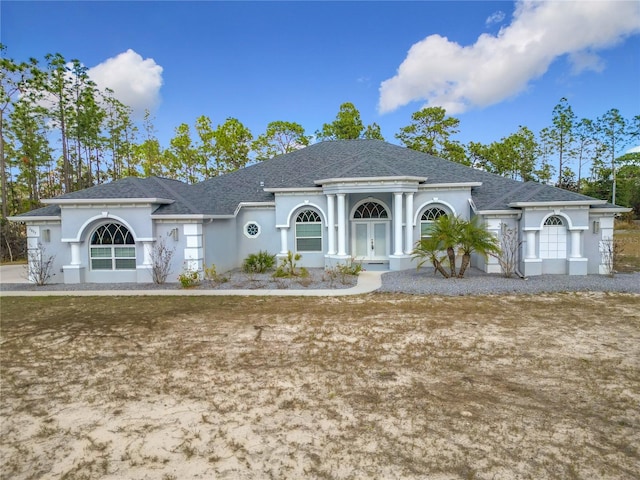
x: 369, y: 387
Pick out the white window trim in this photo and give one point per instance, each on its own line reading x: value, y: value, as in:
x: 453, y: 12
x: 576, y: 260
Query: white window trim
x: 295, y: 232
x: 246, y: 228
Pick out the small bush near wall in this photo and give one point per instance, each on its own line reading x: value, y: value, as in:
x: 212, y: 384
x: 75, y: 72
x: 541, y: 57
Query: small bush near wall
x: 161, y: 256
x: 189, y: 278
x: 289, y: 267
x: 212, y: 276
x: 344, y: 271
x: 258, y: 262
x: 40, y: 266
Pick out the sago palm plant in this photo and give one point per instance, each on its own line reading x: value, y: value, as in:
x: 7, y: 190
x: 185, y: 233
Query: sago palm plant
x: 429, y: 249
x: 474, y: 237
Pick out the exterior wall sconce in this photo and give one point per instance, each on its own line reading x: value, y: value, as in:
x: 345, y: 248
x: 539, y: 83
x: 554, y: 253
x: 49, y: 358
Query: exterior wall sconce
x: 174, y: 234
x: 596, y: 226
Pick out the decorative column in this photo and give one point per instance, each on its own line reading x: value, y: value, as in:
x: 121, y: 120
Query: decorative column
x: 75, y: 253
x: 576, y: 247
x: 408, y: 248
x: 342, y: 226
x: 577, y: 264
x: 331, y: 225
x: 531, y: 244
x: 147, y: 249
x: 74, y: 272
x: 283, y: 241
x: 397, y: 223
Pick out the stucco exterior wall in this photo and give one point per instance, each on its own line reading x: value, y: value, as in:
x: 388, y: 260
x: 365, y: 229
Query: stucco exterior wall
x: 171, y: 234
x: 267, y: 239
x: 455, y: 199
x: 45, y: 237
x: 220, y: 244
x: 79, y: 222
x: 576, y: 221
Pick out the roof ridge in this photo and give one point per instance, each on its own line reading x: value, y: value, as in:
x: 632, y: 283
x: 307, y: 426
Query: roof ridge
x: 140, y: 184
x: 533, y: 191
x: 508, y: 193
x: 176, y: 194
x: 366, y: 159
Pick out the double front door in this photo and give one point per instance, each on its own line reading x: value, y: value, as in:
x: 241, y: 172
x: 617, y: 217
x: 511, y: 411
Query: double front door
x: 370, y: 240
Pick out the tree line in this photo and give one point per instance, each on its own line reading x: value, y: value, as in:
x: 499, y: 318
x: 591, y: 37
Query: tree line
x: 60, y: 133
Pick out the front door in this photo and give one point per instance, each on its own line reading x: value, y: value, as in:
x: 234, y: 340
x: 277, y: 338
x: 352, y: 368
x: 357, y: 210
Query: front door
x: 370, y: 240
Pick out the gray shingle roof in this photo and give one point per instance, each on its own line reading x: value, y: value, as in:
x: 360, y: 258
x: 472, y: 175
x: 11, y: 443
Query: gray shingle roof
x: 48, y: 211
x: 303, y: 168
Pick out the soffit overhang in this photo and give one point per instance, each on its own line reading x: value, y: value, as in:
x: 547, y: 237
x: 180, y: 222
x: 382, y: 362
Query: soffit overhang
x: 35, y: 218
x: 370, y: 184
x: 107, y: 201
x: 556, y: 203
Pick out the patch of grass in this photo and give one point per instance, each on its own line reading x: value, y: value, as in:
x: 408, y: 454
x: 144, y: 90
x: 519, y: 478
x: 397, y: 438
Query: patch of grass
x: 376, y: 386
x: 629, y: 257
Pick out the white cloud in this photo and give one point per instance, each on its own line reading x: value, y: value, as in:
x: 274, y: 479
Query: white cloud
x: 458, y: 78
x: 495, y: 17
x: 135, y: 81
x: 585, y: 60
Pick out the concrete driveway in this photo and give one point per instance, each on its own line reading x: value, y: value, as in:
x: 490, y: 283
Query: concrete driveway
x: 13, y: 274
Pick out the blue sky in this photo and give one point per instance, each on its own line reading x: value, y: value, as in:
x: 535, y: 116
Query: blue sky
x: 494, y: 65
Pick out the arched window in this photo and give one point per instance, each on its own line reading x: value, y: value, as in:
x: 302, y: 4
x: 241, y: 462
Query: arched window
x: 112, y: 248
x: 370, y: 210
x: 429, y: 216
x: 553, y: 238
x: 308, y: 231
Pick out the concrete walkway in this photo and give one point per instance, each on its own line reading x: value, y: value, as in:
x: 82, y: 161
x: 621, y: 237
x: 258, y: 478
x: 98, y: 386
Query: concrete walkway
x: 368, y: 281
x: 13, y: 274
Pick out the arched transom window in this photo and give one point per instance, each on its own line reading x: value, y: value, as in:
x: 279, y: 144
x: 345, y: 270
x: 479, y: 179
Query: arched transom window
x: 308, y: 231
x: 429, y: 216
x: 112, y: 247
x: 553, y: 221
x: 553, y: 238
x: 370, y: 210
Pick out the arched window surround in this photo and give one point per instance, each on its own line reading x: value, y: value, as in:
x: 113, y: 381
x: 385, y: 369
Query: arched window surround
x: 444, y: 207
x: 382, y: 205
x: 293, y: 213
x: 433, y: 203
x: 566, y: 219
x: 308, y: 230
x: 94, y: 222
x: 553, y: 237
x: 111, y: 247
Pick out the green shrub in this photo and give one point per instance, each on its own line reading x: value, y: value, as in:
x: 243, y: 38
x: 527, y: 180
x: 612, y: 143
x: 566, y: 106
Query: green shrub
x: 258, y: 262
x: 189, y: 278
x: 343, y: 271
x: 212, y: 276
x: 289, y: 268
x: 351, y: 268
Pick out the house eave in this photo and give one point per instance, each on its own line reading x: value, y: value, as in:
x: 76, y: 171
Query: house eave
x: 369, y: 180
x: 253, y: 205
x: 190, y: 216
x: 558, y: 203
x: 498, y: 212
x: 428, y: 186
x: 293, y: 189
x: 35, y: 218
x: 107, y: 201
x: 610, y: 210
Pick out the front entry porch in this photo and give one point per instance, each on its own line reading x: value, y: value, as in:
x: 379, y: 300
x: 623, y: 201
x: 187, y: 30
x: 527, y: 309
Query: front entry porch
x: 376, y: 230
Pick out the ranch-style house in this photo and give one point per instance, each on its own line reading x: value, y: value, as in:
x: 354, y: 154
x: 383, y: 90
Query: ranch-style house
x: 332, y: 202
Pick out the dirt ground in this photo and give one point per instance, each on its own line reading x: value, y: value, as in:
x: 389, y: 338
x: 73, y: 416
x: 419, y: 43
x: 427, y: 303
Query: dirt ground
x: 369, y: 387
